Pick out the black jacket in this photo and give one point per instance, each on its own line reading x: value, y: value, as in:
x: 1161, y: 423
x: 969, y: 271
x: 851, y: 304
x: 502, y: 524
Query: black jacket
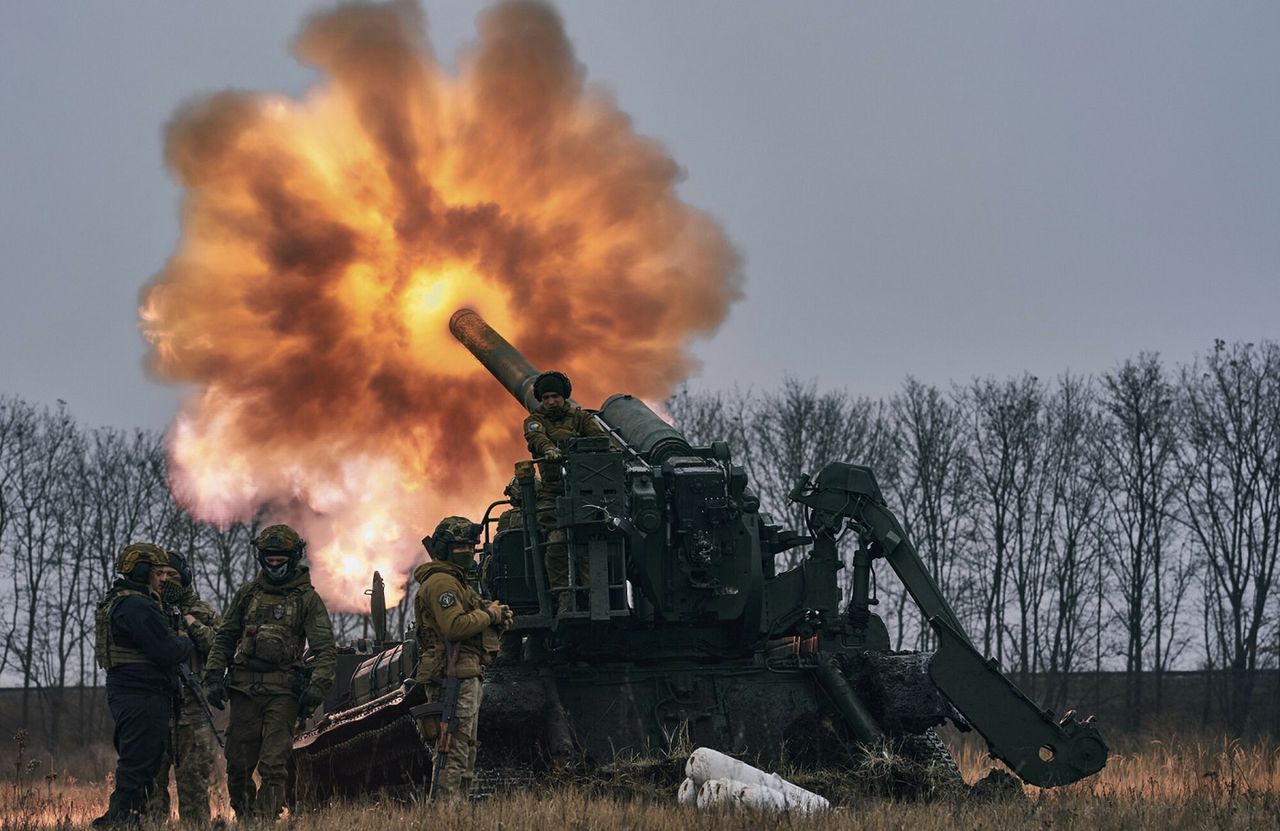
x: 137, y: 622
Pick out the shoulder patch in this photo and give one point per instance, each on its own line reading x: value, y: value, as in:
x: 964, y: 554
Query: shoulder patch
x: 533, y: 425
x: 448, y: 599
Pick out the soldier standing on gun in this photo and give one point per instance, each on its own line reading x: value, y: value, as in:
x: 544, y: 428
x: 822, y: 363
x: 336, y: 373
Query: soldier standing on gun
x: 192, y: 739
x: 554, y: 421
x: 140, y: 654
x: 458, y: 635
x: 259, y: 645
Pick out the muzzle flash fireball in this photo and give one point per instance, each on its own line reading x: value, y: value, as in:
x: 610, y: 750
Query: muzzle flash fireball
x: 326, y: 239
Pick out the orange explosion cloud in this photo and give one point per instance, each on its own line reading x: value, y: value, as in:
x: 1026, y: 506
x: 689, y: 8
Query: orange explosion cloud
x: 326, y: 241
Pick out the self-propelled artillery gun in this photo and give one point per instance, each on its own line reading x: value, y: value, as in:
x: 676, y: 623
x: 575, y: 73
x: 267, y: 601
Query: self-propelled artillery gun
x: 684, y: 629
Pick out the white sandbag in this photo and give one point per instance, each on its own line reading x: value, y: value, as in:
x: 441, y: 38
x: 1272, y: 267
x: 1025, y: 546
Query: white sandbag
x: 688, y: 793
x: 805, y: 802
x: 705, y: 765
x: 726, y: 793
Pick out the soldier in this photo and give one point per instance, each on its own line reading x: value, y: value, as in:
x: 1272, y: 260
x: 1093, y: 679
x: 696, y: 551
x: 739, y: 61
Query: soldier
x: 554, y: 421
x: 259, y: 645
x: 140, y: 653
x: 191, y: 757
x: 450, y: 615
x: 512, y: 518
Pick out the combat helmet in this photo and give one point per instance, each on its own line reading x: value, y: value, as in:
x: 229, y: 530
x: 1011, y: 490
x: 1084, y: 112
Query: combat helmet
x: 552, y: 381
x: 137, y: 559
x: 275, y: 540
x: 450, y: 531
x: 179, y: 563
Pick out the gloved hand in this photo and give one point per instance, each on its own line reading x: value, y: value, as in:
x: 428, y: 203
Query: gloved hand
x: 494, y: 609
x: 310, y: 699
x: 553, y: 455
x: 508, y: 616
x: 215, y: 692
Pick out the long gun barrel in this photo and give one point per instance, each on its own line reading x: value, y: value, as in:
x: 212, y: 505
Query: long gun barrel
x: 502, y: 359
x: 629, y: 417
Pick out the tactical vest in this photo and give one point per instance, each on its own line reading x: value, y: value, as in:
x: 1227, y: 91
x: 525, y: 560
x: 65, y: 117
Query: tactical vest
x: 108, y: 653
x: 273, y: 630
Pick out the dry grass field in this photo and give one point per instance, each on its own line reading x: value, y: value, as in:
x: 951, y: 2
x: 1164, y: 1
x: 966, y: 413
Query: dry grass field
x: 1176, y: 782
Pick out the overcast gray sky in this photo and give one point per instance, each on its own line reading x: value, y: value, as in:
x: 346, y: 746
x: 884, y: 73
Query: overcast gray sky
x: 941, y: 189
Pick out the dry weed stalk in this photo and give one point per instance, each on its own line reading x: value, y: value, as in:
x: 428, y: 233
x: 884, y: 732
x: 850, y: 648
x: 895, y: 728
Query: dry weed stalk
x: 1150, y: 783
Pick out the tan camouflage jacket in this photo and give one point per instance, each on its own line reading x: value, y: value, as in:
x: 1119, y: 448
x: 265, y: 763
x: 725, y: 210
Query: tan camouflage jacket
x: 447, y: 609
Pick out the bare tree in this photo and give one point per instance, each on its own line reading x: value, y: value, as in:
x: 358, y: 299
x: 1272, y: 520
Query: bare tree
x: 1230, y: 460
x: 1006, y: 420
x: 45, y: 449
x: 16, y: 428
x: 1074, y: 550
x: 931, y: 477
x: 228, y: 561
x: 1137, y: 463
x: 64, y: 619
x: 707, y: 416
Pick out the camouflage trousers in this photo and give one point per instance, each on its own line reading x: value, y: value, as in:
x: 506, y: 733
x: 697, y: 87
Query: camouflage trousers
x: 455, y: 779
x: 191, y: 763
x: 260, y: 736
x: 556, y: 550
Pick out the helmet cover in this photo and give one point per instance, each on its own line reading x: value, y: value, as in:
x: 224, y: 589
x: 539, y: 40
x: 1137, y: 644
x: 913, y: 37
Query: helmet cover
x: 451, y: 531
x: 141, y: 554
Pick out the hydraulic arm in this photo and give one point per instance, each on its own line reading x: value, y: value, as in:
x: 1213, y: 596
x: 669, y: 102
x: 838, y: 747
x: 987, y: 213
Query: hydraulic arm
x: 1040, y: 749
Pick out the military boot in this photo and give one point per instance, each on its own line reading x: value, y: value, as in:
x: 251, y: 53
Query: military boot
x: 123, y: 811
x: 270, y: 803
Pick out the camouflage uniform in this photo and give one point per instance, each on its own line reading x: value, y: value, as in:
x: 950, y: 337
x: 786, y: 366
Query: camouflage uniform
x: 261, y: 642
x: 446, y: 609
x: 192, y: 762
x: 544, y: 429
x: 512, y: 518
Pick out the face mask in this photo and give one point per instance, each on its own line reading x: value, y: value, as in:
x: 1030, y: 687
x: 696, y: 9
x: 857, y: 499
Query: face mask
x: 463, y: 559
x: 276, y: 573
x: 171, y: 591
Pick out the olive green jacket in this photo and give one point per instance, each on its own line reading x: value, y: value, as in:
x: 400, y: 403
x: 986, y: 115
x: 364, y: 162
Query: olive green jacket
x: 543, y: 432
x: 447, y: 609
x: 264, y: 633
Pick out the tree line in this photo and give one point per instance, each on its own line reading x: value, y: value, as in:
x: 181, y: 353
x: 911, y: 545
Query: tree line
x: 70, y: 499
x: 1126, y: 522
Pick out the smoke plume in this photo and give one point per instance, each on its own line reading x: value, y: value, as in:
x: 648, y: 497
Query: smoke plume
x: 326, y: 241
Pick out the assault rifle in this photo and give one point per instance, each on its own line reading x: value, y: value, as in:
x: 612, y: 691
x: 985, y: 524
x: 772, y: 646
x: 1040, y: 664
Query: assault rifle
x: 188, y: 681
x: 447, y: 709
